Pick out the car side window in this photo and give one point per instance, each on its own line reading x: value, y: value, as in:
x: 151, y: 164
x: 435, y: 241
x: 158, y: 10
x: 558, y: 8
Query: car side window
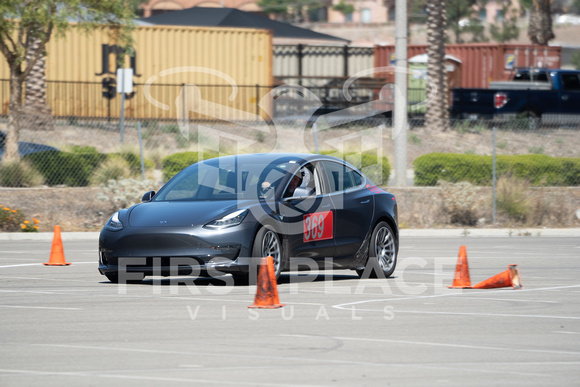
x: 341, y: 177
x: 306, y: 178
x: 571, y: 81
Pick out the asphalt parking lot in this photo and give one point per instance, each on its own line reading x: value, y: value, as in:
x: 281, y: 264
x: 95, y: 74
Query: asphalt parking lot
x: 68, y: 326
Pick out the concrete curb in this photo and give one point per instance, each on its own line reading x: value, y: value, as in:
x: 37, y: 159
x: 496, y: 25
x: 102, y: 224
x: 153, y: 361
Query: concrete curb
x: 493, y: 232
x: 47, y: 236
x: 427, y: 233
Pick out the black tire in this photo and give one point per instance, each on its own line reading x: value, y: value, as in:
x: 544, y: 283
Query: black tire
x: 114, y: 278
x: 268, y: 243
x: 383, y: 252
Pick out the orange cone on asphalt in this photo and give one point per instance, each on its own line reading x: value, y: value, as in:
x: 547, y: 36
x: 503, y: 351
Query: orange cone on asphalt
x: 267, y: 292
x: 461, y: 280
x: 510, y: 277
x: 57, y: 251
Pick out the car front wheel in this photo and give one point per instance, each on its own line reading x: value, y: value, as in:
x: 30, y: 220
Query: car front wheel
x: 268, y: 243
x: 383, y: 252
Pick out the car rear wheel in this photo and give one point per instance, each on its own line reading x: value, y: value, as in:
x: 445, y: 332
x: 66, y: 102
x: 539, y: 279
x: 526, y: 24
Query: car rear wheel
x: 383, y: 252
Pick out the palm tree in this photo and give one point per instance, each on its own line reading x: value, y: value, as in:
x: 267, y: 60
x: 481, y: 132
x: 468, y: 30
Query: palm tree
x: 36, y: 110
x: 437, y: 114
x: 540, y: 27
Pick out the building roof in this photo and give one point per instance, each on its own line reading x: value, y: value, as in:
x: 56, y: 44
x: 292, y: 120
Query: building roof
x: 231, y: 17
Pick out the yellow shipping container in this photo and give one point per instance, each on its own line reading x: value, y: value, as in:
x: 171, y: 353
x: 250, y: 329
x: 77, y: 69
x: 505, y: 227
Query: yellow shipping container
x: 224, y: 67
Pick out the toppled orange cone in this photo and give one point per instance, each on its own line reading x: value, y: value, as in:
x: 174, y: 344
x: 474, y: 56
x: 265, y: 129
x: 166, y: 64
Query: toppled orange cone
x: 510, y: 277
x: 57, y: 251
x: 267, y: 293
x: 461, y: 280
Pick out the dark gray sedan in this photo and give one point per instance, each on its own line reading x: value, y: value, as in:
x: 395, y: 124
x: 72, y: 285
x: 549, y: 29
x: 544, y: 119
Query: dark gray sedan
x: 221, y: 215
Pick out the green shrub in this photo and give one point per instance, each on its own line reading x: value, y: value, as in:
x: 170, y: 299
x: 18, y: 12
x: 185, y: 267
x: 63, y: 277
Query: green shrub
x: 134, y: 161
x: 539, y: 170
x: 431, y: 168
x: 19, y: 174
x: 90, y: 154
x: 63, y: 168
x: 80, y: 166
x: 115, y: 168
x: 368, y: 163
x: 174, y: 163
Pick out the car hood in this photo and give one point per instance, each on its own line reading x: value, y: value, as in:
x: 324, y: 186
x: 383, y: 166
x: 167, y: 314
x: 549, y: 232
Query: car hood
x: 180, y: 214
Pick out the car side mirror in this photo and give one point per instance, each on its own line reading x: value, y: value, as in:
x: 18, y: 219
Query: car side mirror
x: 301, y: 193
x: 148, y: 196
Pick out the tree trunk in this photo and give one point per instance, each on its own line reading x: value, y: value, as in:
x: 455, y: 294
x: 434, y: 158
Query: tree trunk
x: 36, y: 112
x: 437, y: 114
x: 11, y: 146
x: 540, y: 27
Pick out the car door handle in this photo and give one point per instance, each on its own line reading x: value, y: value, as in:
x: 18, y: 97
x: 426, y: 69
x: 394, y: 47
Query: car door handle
x: 366, y: 201
x: 565, y: 97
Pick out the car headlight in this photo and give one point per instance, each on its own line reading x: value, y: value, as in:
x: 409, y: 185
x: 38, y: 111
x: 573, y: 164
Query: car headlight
x: 229, y: 220
x: 114, y: 224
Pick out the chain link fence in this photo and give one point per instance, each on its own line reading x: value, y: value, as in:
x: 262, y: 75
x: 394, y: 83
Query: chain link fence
x: 125, y: 162
x: 84, y: 152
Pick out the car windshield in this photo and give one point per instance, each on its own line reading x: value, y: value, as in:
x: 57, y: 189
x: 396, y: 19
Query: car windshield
x: 226, y: 179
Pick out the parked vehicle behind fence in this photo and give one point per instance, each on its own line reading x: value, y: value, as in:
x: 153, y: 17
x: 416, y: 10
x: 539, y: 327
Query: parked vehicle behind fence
x: 546, y: 95
x: 24, y: 148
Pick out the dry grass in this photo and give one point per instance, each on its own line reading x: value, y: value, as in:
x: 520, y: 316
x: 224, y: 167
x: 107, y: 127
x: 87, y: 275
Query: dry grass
x: 78, y: 209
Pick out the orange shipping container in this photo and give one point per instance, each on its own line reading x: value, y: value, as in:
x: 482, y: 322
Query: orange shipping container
x: 482, y: 63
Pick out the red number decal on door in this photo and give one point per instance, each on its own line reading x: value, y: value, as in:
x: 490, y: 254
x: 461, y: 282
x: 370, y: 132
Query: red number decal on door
x: 318, y: 226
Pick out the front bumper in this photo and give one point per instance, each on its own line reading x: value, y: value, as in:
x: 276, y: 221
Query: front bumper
x: 176, y: 251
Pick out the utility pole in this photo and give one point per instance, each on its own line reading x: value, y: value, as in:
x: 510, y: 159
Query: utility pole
x: 400, y: 111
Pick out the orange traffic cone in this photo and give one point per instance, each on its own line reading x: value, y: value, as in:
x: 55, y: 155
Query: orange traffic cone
x: 57, y: 251
x: 267, y: 293
x: 510, y: 277
x: 461, y: 280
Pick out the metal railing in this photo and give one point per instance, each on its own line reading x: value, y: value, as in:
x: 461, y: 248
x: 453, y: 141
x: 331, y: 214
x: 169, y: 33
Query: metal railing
x: 164, y: 101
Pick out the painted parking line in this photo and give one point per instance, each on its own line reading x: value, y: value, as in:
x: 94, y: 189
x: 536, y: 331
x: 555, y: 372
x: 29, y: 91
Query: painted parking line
x: 37, y: 307
x: 21, y: 265
x: 41, y: 264
x: 100, y: 374
x: 478, y: 314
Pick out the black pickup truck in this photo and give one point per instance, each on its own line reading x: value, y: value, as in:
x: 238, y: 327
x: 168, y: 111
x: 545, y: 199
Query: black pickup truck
x: 548, y: 95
